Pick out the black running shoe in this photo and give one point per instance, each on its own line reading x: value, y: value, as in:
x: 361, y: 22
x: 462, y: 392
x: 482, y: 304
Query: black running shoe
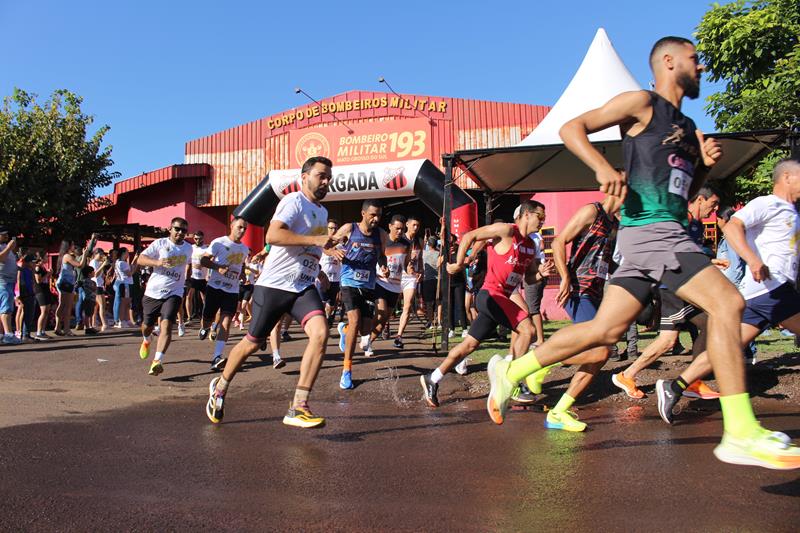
x: 523, y: 394
x: 202, y: 334
x: 218, y: 363
x: 285, y: 337
x: 667, y: 399
x: 430, y: 389
x: 398, y: 342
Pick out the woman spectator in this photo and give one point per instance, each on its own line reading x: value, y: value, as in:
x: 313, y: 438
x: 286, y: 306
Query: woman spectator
x: 27, y: 297
x: 122, y: 290
x: 67, y: 278
x: 100, y: 264
x: 43, y: 298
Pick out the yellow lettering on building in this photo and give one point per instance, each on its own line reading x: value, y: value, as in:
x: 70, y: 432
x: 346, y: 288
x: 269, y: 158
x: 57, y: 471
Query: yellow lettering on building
x: 397, y: 102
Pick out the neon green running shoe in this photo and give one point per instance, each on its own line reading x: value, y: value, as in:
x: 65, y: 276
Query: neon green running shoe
x: 156, y: 368
x: 144, y: 350
x: 565, y: 420
x: 535, y: 380
x: 767, y: 449
x: 500, y: 389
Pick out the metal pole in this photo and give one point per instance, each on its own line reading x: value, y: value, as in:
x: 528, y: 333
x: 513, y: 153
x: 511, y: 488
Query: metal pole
x: 445, y: 278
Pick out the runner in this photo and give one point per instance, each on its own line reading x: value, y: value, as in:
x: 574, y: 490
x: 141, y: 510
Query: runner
x: 197, y: 281
x: 170, y: 258
x: 286, y: 285
x: 225, y: 259
x: 765, y: 234
x: 331, y: 266
x: 666, y: 160
x: 388, y: 285
x: 511, y: 257
x: 252, y: 271
x: 410, y: 279
x: 359, y: 259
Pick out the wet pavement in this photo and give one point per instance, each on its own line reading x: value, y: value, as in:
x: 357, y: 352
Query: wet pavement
x: 383, y: 461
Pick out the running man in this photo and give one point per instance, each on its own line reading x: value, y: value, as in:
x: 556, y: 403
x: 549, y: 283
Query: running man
x: 331, y: 266
x: 590, y: 231
x: 197, y: 281
x: 225, y: 259
x: 388, y: 286
x: 359, y: 259
x: 286, y: 285
x: 410, y: 279
x: 511, y: 257
x: 765, y: 234
x: 170, y: 257
x: 666, y: 162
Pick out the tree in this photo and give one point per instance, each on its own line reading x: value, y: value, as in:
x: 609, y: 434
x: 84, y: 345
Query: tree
x: 49, y: 167
x: 754, y: 47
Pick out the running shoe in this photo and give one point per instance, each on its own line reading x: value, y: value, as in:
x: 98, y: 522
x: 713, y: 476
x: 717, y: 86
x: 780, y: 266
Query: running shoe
x: 11, y: 339
x: 90, y: 331
x: 117, y: 325
x: 699, y: 389
x: 346, y: 381
x: 156, y: 368
x: 500, y: 388
x: 522, y: 394
x: 536, y: 380
x: 277, y: 362
x: 667, y: 400
x: 181, y: 330
x: 368, y: 351
x: 786, y: 333
x: 144, y: 349
x: 628, y: 385
x: 341, y: 327
x: 218, y: 363
x: 566, y: 420
x: 430, y: 390
x: 768, y: 449
x: 302, y: 417
x: 461, y: 368
x: 212, y: 336
x: 386, y: 333
x: 157, y: 331
x: 364, y: 342
x: 202, y: 334
x: 451, y: 334
x: 41, y: 337
x: 285, y: 337
x: 214, y: 406
x: 398, y: 342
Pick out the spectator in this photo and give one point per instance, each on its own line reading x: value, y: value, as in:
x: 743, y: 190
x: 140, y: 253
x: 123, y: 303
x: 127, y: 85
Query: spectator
x: 122, y: 290
x: 44, y: 298
x: 70, y: 263
x: 431, y: 261
x: 8, y: 279
x: 100, y: 265
x: 27, y: 297
x: 89, y: 298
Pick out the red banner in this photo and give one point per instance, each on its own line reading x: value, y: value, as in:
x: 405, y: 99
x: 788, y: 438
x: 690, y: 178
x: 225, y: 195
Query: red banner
x: 370, y: 142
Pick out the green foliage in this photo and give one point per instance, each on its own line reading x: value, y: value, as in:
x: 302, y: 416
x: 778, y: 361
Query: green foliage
x: 49, y: 167
x: 754, y: 47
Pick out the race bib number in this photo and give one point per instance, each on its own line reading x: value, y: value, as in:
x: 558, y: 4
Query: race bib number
x: 514, y: 279
x: 361, y: 275
x: 602, y: 270
x: 679, y: 183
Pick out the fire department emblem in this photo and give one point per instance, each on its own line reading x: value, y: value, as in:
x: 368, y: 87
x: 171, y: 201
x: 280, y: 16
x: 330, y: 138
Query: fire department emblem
x: 311, y: 144
x: 393, y: 178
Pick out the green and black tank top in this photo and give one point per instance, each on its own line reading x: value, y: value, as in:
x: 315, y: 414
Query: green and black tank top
x: 660, y: 166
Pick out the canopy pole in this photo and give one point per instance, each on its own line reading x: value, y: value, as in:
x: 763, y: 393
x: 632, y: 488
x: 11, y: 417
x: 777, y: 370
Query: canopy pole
x: 448, y: 160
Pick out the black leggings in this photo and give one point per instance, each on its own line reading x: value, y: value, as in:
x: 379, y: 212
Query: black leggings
x: 458, y: 312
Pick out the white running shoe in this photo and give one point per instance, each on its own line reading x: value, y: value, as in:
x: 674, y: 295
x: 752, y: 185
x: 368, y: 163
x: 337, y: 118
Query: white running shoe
x: 368, y: 351
x: 157, y: 331
x: 461, y: 368
x: 451, y: 334
x: 364, y: 342
x: 181, y: 330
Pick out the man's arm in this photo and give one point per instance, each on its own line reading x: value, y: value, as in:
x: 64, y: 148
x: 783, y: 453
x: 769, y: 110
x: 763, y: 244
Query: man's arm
x: 485, y: 233
x: 735, y: 235
x: 279, y: 234
x: 382, y: 252
x: 710, y: 153
x: 340, y: 236
x: 579, y: 222
x: 627, y: 110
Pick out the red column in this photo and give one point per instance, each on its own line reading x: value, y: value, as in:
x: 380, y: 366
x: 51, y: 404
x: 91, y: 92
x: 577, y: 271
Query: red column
x: 254, y: 238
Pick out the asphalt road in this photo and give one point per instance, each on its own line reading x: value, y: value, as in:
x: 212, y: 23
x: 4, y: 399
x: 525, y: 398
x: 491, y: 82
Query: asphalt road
x: 90, y: 442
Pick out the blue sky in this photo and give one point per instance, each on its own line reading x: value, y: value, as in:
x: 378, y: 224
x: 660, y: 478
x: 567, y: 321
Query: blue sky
x: 162, y: 73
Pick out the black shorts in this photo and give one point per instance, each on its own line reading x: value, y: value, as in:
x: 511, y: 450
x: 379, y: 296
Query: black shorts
x: 43, y: 295
x: 494, y: 310
x: 429, y: 291
x: 167, y: 309
x: 245, y: 292
x: 675, y: 312
x: 330, y: 295
x: 66, y: 287
x: 101, y: 290
x: 269, y: 306
x: 772, y: 308
x: 533, y: 296
x: 87, y: 306
x: 219, y: 300
x: 359, y: 299
x: 387, y: 295
x: 640, y: 287
x: 198, y: 284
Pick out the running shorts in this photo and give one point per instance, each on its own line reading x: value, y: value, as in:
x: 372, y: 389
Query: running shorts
x: 333, y: 291
x: 494, y: 309
x: 581, y: 308
x: 198, y: 284
x: 533, y: 296
x: 674, y: 311
x: 269, y: 306
x: 772, y: 308
x: 362, y: 300
x: 639, y: 285
x: 167, y: 309
x: 245, y: 292
x: 219, y: 300
x: 382, y: 293
x: 408, y: 282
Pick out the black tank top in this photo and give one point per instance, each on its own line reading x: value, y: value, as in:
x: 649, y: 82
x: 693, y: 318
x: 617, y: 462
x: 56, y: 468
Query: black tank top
x: 660, y: 164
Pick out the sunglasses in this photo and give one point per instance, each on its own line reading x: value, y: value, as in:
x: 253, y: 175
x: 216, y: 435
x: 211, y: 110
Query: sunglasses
x: 178, y: 229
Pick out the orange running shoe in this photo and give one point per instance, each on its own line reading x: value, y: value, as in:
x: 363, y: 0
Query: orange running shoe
x: 699, y: 389
x: 628, y: 385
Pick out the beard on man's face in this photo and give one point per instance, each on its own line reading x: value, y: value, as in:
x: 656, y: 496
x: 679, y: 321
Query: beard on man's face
x: 690, y: 85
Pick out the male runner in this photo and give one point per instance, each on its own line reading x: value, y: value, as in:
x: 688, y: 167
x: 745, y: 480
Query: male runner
x: 388, y: 285
x: 511, y: 257
x: 590, y: 231
x: 360, y: 257
x: 197, y: 281
x: 765, y: 234
x: 331, y: 266
x: 297, y: 237
x: 225, y: 259
x: 666, y: 162
x: 409, y: 280
x: 170, y: 257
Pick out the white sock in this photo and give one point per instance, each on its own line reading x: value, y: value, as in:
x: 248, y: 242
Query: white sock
x: 159, y: 355
x: 219, y: 347
x: 436, y: 376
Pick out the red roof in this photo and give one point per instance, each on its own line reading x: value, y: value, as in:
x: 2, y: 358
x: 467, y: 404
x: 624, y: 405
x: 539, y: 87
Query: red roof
x: 194, y: 170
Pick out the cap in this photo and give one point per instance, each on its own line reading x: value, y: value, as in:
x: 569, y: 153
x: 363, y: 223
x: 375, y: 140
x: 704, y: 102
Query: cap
x: 3, y: 229
x: 517, y: 212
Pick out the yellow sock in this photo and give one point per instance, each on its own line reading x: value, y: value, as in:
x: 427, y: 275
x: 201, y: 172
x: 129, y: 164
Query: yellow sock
x: 564, y: 403
x: 523, y: 367
x: 737, y: 415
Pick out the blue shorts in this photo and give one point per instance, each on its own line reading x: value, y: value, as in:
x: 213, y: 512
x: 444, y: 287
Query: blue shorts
x: 772, y: 308
x: 6, y: 298
x: 581, y: 308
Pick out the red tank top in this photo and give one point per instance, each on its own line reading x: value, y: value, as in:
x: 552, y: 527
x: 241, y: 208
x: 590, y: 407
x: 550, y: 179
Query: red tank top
x: 506, y: 271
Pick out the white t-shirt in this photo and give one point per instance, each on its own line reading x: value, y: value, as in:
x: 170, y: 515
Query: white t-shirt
x: 167, y: 281
x: 332, y: 267
x: 294, y: 268
x: 199, y: 271
x: 226, y: 252
x: 772, y: 228
x: 98, y: 277
x: 253, y: 271
x: 123, y: 271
